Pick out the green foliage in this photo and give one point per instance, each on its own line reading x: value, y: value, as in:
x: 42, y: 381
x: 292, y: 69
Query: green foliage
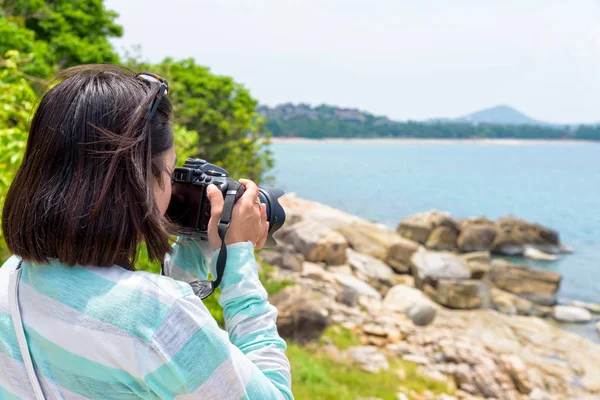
x: 331, y: 122
x: 317, y: 377
x: 222, y: 114
x: 60, y: 33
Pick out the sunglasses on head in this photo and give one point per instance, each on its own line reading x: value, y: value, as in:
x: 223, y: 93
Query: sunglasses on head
x: 163, y: 89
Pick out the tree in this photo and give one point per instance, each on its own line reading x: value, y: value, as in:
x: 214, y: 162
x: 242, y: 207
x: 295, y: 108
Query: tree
x: 65, y: 32
x: 222, y: 112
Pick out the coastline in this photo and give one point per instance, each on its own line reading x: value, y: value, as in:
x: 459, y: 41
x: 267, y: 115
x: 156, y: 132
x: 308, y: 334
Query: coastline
x: 507, y: 142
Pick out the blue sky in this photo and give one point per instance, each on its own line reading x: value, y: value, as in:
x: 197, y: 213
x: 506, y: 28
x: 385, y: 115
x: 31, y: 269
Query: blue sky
x: 404, y: 59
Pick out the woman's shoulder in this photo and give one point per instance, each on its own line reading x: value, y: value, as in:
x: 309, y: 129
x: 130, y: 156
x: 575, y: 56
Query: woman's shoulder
x: 141, y: 284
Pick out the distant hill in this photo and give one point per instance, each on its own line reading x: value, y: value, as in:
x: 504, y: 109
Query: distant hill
x: 324, y: 121
x: 500, y: 115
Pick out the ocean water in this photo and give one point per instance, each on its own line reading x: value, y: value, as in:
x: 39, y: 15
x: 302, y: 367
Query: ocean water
x: 554, y: 184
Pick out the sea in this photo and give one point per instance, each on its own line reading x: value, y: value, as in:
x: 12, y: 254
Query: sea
x: 556, y: 184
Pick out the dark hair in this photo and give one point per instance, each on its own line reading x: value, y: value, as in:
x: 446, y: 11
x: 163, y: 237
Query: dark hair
x: 84, y: 193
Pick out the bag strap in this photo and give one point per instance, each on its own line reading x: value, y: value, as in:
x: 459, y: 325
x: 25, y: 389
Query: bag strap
x: 13, y: 300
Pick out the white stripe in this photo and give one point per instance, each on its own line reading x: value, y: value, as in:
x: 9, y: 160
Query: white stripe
x: 20, y: 386
x: 85, y: 336
x: 159, y: 287
x: 174, y: 271
x: 228, y: 381
x: 240, y: 324
x: 8, y: 266
x: 186, y: 317
x: 249, y: 286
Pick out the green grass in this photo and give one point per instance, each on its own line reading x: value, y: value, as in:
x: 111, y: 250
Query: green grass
x: 316, y: 377
x: 341, y: 337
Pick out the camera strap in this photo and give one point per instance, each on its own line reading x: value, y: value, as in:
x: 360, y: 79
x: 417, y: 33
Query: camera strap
x: 224, y: 223
x: 15, y: 312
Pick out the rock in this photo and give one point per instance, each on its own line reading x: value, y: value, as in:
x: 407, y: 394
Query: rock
x: 518, y: 372
x: 483, y: 257
x: 465, y: 294
x: 380, y: 242
x: 341, y: 269
x: 361, y: 287
x: 598, y: 328
x: 535, y: 254
x: 399, y: 254
x: 478, y: 270
x: 317, y: 242
x: 442, y: 238
x: 348, y: 296
x: 418, y: 227
x: 571, y: 314
x: 591, y: 307
x: 564, y: 249
x: 368, y: 358
x: 514, y: 235
x: 301, y: 318
x: 536, y: 285
x: 476, y: 237
x: 316, y: 272
x: 510, y: 304
x: 284, y: 257
x: 412, y: 302
x: 371, y: 269
x: 406, y: 280
x: 539, y: 394
x: 416, y: 359
x: 429, y: 267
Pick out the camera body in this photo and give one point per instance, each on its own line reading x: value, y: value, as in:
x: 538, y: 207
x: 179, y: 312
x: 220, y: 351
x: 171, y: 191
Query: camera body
x: 190, y: 209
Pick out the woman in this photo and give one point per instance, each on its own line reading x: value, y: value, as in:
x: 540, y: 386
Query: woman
x: 94, y: 183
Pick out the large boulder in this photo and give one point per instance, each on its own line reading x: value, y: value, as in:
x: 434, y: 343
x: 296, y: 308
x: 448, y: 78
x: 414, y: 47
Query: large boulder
x: 511, y: 304
x: 411, y: 302
x: 380, y: 242
x: 442, y: 238
x: 418, y: 227
x: 476, y: 237
x: 371, y: 269
x: 301, y: 318
x: 283, y: 256
x: 464, y: 294
x: 514, y: 235
x: 317, y: 242
x: 536, y: 285
x: 363, y: 288
x: 369, y: 358
x: 571, y: 314
x: 429, y: 266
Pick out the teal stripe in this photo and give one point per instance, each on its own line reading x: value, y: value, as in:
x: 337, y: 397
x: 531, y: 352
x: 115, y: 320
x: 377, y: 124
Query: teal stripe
x: 193, y: 364
x: 6, y: 395
x: 130, y: 310
x: 81, y: 375
x: 188, y: 256
x: 259, y: 387
x: 245, y: 306
x: 280, y: 381
x: 258, y: 340
x: 8, y: 338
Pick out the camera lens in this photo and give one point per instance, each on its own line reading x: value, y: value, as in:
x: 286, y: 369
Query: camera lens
x: 275, y: 212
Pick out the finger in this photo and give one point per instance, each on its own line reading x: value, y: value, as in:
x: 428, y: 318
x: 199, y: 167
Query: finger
x: 216, y: 201
x: 261, y: 242
x: 251, y: 192
x: 263, y: 214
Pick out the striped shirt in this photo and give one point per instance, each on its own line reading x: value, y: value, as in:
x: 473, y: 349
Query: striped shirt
x: 111, y: 333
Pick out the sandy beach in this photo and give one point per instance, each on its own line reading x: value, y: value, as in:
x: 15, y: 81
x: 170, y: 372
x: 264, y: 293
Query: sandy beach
x: 507, y: 142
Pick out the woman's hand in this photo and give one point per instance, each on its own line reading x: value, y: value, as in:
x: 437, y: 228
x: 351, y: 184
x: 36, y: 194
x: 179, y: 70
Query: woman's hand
x: 248, y: 219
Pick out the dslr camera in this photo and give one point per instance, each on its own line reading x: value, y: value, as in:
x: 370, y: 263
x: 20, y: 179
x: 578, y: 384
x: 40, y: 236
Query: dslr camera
x: 190, y: 208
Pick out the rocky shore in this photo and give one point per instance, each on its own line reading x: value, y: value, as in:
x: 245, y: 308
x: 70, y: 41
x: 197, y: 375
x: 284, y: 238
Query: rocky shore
x: 433, y: 293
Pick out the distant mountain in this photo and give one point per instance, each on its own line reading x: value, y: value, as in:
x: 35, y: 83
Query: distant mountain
x: 325, y: 121
x: 499, y: 115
